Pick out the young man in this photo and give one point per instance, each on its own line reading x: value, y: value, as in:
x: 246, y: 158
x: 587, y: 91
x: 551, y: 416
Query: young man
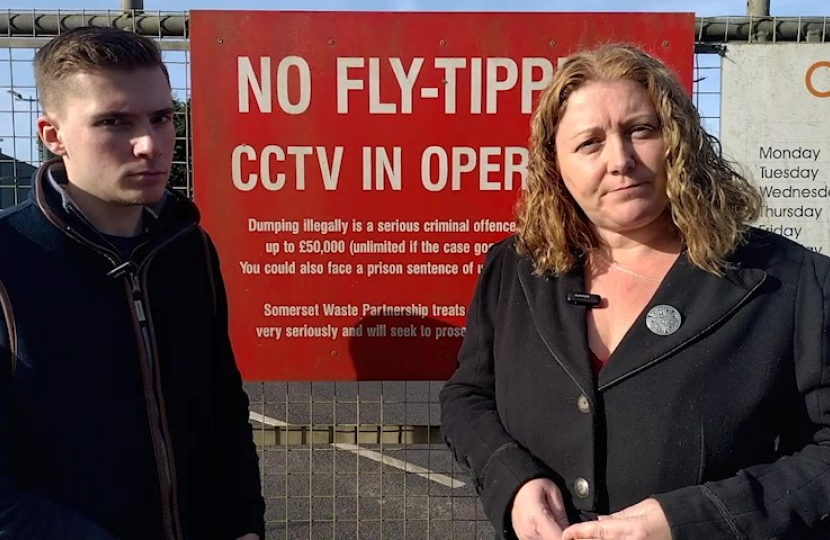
x: 122, y: 413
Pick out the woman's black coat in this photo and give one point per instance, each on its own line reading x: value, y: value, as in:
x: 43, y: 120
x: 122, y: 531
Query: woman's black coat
x: 726, y: 421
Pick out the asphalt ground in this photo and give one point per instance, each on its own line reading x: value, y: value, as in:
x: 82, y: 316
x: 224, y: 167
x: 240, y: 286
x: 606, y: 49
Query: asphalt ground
x: 411, y: 402
x: 362, y: 491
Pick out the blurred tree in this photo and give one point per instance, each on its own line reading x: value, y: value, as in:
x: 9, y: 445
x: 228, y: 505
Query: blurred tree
x: 180, y: 173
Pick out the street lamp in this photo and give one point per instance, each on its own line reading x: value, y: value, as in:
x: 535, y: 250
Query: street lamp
x: 32, y: 136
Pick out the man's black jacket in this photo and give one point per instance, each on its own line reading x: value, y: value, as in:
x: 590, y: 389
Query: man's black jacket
x: 122, y: 413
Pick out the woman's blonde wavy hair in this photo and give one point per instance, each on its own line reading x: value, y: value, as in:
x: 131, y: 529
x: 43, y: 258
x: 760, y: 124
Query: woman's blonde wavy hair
x: 711, y: 204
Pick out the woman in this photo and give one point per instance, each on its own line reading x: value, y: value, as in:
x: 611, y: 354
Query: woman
x: 639, y: 363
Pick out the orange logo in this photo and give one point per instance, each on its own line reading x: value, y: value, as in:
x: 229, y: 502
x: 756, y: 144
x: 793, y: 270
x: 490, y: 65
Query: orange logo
x: 808, y: 80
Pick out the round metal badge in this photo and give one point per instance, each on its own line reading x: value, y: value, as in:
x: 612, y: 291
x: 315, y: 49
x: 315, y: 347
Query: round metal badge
x: 663, y: 320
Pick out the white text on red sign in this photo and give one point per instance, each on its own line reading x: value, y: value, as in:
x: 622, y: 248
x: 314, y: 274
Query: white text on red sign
x: 359, y: 80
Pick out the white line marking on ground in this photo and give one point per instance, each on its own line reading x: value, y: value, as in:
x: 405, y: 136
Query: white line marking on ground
x: 267, y: 420
x: 408, y: 467
x: 375, y: 456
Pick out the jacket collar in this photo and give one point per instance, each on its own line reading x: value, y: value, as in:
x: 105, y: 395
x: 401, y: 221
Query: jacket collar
x: 701, y: 298
x: 561, y: 325
x: 173, y: 212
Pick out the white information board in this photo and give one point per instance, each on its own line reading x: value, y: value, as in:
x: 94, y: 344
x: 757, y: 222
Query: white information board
x: 775, y: 121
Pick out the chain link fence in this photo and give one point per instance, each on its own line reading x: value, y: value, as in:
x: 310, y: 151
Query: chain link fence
x: 360, y: 460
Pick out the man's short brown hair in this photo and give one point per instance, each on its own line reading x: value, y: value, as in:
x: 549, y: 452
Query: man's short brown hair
x: 89, y: 49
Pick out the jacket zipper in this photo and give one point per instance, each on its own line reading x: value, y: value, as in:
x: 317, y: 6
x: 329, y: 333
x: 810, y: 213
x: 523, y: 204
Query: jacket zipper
x: 164, y: 448
x: 139, y: 308
x: 154, y: 407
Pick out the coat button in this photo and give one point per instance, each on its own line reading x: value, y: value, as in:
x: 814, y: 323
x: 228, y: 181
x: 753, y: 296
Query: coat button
x: 582, y: 488
x: 583, y: 405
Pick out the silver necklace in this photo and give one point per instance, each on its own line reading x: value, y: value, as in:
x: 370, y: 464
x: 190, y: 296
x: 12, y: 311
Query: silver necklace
x: 619, y: 268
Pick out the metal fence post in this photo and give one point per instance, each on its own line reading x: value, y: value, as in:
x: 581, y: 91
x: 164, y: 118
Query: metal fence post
x: 757, y: 8
x: 132, y: 6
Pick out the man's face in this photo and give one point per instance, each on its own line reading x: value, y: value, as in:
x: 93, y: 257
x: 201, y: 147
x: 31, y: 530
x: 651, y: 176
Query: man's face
x: 115, y: 132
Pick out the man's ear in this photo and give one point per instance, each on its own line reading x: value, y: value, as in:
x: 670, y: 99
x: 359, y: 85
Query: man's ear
x: 50, y: 135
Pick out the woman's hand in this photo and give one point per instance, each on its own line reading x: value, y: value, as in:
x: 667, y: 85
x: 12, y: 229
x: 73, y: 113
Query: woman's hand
x: 643, y: 521
x: 538, y: 511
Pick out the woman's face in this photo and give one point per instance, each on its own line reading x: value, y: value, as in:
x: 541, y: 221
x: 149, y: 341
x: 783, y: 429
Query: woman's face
x: 609, y: 151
